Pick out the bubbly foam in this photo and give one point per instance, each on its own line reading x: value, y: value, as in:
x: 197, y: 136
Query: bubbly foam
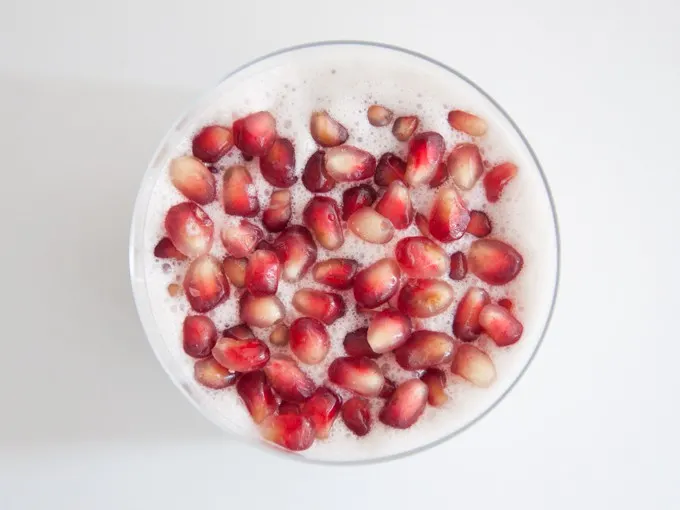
x: 293, y: 90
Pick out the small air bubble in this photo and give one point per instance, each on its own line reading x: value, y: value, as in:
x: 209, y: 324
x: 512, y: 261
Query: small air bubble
x: 166, y: 267
x: 287, y: 124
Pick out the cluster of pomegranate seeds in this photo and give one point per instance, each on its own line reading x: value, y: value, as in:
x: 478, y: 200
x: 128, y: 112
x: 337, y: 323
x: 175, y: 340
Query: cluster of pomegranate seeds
x: 393, y: 294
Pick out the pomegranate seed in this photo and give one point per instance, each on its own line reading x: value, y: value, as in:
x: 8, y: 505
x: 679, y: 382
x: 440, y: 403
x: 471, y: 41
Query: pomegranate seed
x: 192, y: 179
x: 279, y: 335
x: 356, y: 344
x: 360, y: 375
x: 387, y: 389
x: 240, y: 240
x: 255, y: 133
x: 371, y: 226
x: 327, y: 131
x: 377, y: 283
x: 262, y: 273
x: 189, y: 228
x: 247, y: 157
x: 465, y: 165
x: 425, y: 349
x: 480, y: 225
x: 379, y: 115
x: 423, y: 224
x: 355, y: 198
x: 395, y: 205
x: 257, y: 395
x: 309, y: 340
x: 174, y: 289
x: 466, y: 320
x: 390, y: 168
x: 324, y: 306
x: 205, y: 284
x: 322, y: 408
x: 314, y: 176
x: 500, y: 325
x: 419, y: 257
x: 467, y: 123
x: 493, y: 261
x: 296, y: 250
x: 289, y: 408
x: 238, y: 193
x: 277, y: 215
x: 496, y: 180
x: 211, y: 143
x: 404, y: 127
x: 290, y: 431
x: 261, y: 312
x: 436, y: 384
x: 211, y: 374
x: 425, y: 297
x: 288, y: 380
x: 336, y: 273
x: 459, y: 268
x: 506, y: 303
x: 440, y: 175
x: 356, y: 413
x: 347, y: 163
x: 449, y: 217
x: 473, y: 365
x: 241, y: 355
x: 278, y: 164
x: 240, y: 331
x: 388, y: 330
x: 166, y: 250
x: 322, y: 217
x: 405, y: 405
x: 425, y: 152
x: 235, y: 271
x: 198, y: 335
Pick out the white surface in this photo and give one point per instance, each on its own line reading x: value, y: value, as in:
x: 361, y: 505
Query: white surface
x: 88, y: 418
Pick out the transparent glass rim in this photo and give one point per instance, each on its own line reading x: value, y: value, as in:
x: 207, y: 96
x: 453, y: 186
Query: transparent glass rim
x: 140, y: 291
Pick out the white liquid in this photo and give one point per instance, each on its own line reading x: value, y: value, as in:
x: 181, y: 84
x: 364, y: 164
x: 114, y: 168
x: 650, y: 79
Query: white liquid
x: 345, y: 82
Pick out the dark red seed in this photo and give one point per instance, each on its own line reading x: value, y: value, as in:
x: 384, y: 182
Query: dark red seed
x: 199, y: 335
x: 480, y: 224
x: 314, y: 176
x: 355, y: 198
x: 322, y: 409
x: 241, y: 355
x: 166, y: 250
x: 459, y: 268
x: 211, y: 374
x: 390, y: 168
x: 257, y: 395
x: 356, y: 413
x: 356, y: 344
x: 278, y: 164
x: 212, y: 142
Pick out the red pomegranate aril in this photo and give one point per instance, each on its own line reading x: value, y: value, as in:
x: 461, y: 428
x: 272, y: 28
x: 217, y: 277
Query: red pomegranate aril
x: 322, y: 217
x: 405, y: 405
x: 377, y: 283
x: 314, y: 176
x: 371, y: 226
x: 277, y: 166
x: 190, y: 229
x: 327, y: 131
x: 493, y: 261
x: 199, y: 335
x: 387, y: 389
x: 497, y: 322
x: 423, y: 225
x: 322, y: 409
x: 262, y: 273
x: 240, y: 240
x: 459, y: 267
x: 255, y: 133
x: 474, y: 365
x: 347, y: 164
x: 356, y: 413
x: 240, y: 331
x: 205, y: 284
x: 356, y: 344
x: 388, y: 330
x: 292, y: 432
x: 261, y: 312
x: 257, y: 395
x: 425, y: 297
x: 449, y: 217
x: 379, y: 115
x: 241, y: 355
x: 192, y: 179
x: 440, y: 175
x: 436, y: 384
x: 166, y: 250
x: 424, y: 349
x: 277, y: 214
x: 324, y: 306
x: 390, y: 168
x: 288, y: 380
x: 506, y: 303
x: 238, y: 193
x: 396, y: 206
x: 465, y: 165
x: 296, y: 250
x: 404, y: 127
x: 420, y: 257
x: 360, y: 375
x: 211, y: 374
x: 480, y: 224
x: 235, y: 270
x: 309, y: 340
x: 496, y: 180
x: 289, y: 408
x: 212, y: 142
x: 467, y: 123
x: 466, y: 325
x: 280, y: 335
x: 336, y: 273
x: 425, y: 152
x: 355, y: 198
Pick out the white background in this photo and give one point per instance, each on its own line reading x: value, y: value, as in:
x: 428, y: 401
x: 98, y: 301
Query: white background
x: 88, y: 420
